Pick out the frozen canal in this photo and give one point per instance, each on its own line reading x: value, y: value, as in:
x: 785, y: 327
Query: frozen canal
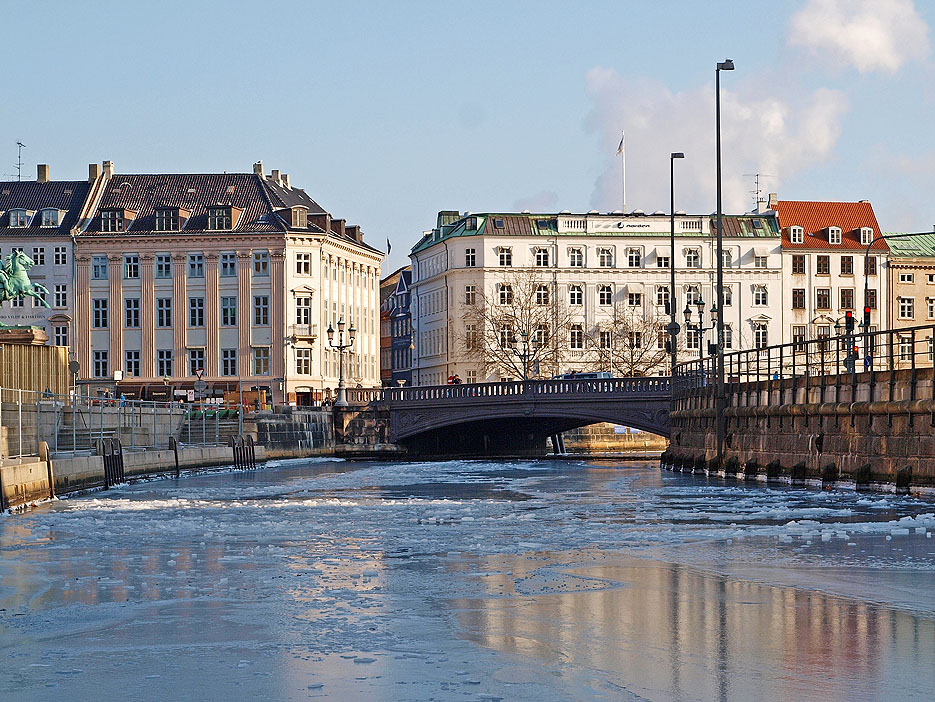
x: 551, y: 580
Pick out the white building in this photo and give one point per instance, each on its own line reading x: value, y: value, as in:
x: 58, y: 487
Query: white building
x: 595, y: 264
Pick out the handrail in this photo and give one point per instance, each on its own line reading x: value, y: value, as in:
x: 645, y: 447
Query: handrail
x: 520, y: 389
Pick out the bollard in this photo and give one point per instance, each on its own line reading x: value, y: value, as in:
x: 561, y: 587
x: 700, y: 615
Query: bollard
x: 174, y: 445
x: 44, y: 456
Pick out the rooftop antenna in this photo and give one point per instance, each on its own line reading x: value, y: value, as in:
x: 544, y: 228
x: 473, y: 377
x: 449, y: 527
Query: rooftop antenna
x: 757, y: 190
x: 19, y: 159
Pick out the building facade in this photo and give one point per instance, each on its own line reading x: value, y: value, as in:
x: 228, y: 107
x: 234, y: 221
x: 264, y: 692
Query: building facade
x: 401, y: 330
x: 603, y: 283
x: 911, y: 295
x: 230, y: 277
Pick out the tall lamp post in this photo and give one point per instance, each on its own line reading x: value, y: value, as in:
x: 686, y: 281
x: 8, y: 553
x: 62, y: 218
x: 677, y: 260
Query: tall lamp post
x: 521, y: 349
x: 673, y: 328
x: 340, y: 347
x: 719, y: 399
x: 699, y: 325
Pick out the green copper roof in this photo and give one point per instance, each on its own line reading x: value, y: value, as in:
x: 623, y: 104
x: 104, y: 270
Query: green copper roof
x: 912, y: 246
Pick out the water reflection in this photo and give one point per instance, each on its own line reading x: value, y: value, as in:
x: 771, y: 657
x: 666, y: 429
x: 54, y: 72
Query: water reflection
x: 666, y: 631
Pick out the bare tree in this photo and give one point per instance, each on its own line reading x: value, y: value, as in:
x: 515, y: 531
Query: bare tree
x: 629, y: 341
x: 518, y: 327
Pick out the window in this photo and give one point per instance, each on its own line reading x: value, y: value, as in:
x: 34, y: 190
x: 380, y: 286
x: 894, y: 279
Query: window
x: 542, y: 294
x: 470, y: 336
x: 728, y: 337
x: 634, y: 258
x: 796, y: 235
x: 196, y: 361
x: 575, y: 258
x: 906, y: 277
x: 163, y: 311
x: 692, y: 294
x: 131, y: 313
x: 760, y: 335
x: 605, y: 258
x: 872, y: 299
x: 38, y: 255
x: 228, y: 361
x: 847, y: 298
x: 303, y: 263
x: 506, y: 335
x: 100, y: 368
x: 164, y: 363
x: 798, y: 338
x: 930, y: 303
x: 760, y: 261
x: 470, y: 294
x: 847, y: 265
x: 866, y: 235
x: 303, y: 311
x: 823, y: 265
x: 931, y: 278
x: 542, y: 258
x: 49, y: 218
x: 576, y: 340
x: 167, y: 219
x: 605, y: 295
x: 219, y: 218
x: 823, y: 298
x: 693, y: 258
x: 727, y: 257
x: 16, y: 302
x: 60, y: 298
x: 505, y: 294
x: 131, y: 266
x: 112, y: 221
x: 99, y: 313
x: 834, y: 235
x: 662, y: 296
x: 506, y: 256
x: 227, y: 262
x: 728, y: 295
x: 634, y: 299
x: 760, y: 296
x: 39, y: 298
x: 798, y: 298
x: 662, y: 339
x: 196, y: 311
x: 196, y: 265
x: 261, y: 361
x: 906, y: 308
x: 662, y: 261
x: 798, y: 264
x: 575, y: 295
x: 261, y: 263
x: 229, y: 311
x: 99, y: 267
x: 163, y: 266
x: 261, y: 309
x: 470, y: 258
x: 871, y: 267
x: 131, y: 363
x: 303, y: 361
x: 60, y: 256
x: 60, y: 335
x: 498, y: 224
x: 540, y: 336
x: 18, y: 218
x: 693, y: 339
x: 905, y: 347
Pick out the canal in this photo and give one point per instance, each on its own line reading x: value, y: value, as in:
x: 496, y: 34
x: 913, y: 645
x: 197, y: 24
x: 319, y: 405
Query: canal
x: 470, y: 580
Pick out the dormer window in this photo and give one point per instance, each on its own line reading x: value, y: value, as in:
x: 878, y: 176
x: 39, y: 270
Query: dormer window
x: 219, y: 218
x: 112, y: 220
x: 167, y: 219
x: 18, y: 218
x: 796, y: 235
x: 51, y: 218
x: 866, y: 235
x: 300, y: 217
x: 834, y: 235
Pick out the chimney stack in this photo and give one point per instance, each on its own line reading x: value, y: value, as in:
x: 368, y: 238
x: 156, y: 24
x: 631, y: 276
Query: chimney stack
x: 42, y: 173
x: 337, y: 226
x: 285, y: 180
x: 276, y: 178
x: 773, y: 200
x: 94, y: 172
x: 108, y: 169
x: 258, y: 169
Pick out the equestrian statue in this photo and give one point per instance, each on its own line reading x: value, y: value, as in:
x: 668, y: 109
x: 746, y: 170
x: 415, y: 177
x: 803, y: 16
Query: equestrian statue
x: 15, y: 283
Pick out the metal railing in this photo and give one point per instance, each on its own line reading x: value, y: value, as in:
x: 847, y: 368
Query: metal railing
x: 838, y: 360
x: 519, y: 388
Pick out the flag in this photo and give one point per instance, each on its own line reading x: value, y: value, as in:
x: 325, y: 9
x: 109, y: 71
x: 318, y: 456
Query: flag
x: 389, y: 247
x: 620, y: 146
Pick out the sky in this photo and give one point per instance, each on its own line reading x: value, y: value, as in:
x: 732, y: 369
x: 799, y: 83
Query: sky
x: 388, y: 112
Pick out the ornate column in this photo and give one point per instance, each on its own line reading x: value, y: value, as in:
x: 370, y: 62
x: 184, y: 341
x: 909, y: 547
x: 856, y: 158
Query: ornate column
x: 179, y: 314
x: 212, y: 323
x: 147, y: 319
x: 115, y: 310
x: 245, y: 312
x: 278, y: 316
x: 81, y: 329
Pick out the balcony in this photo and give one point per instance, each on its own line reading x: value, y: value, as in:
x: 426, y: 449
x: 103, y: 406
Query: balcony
x: 304, y: 332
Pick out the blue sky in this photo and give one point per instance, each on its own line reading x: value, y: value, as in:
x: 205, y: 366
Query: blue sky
x: 388, y: 112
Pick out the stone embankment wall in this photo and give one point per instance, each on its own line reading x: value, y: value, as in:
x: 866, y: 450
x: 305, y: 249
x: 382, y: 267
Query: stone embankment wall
x: 603, y: 438
x: 292, y: 432
x: 863, y: 428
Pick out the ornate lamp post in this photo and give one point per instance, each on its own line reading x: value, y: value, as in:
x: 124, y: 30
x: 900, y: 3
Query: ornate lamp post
x: 699, y: 325
x: 719, y: 398
x: 673, y: 328
x: 340, y: 347
x: 521, y: 348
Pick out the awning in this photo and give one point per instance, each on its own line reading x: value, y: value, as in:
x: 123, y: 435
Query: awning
x: 761, y: 251
x: 635, y: 287
x: 663, y: 251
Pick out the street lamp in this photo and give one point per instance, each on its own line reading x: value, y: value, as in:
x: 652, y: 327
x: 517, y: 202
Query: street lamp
x: 523, y: 351
x: 719, y: 399
x: 699, y: 326
x: 673, y: 328
x: 340, y: 347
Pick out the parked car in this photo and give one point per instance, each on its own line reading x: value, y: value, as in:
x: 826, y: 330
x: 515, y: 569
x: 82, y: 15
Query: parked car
x: 584, y: 376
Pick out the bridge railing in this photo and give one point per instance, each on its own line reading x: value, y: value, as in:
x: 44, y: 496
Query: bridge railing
x: 568, y: 386
x: 842, y: 356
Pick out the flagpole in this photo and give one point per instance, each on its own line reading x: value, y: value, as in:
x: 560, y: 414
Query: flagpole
x: 622, y: 151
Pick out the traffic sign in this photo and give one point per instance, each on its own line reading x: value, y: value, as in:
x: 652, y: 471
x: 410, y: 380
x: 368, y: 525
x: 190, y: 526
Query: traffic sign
x: 200, y: 385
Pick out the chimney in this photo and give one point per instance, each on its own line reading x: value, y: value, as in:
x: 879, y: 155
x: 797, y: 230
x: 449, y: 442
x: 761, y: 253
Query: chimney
x: 337, y: 226
x: 258, y: 169
x: 42, y: 173
x: 108, y: 169
x: 773, y: 200
x: 353, y: 231
x: 276, y: 177
x: 285, y: 180
x: 94, y: 172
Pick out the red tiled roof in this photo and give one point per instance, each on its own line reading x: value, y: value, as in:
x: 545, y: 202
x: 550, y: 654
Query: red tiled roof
x: 813, y: 217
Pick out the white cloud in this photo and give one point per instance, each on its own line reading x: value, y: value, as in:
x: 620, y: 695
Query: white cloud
x: 868, y: 35
x: 762, y: 132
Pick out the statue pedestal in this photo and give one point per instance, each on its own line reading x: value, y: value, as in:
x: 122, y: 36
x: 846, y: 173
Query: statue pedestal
x: 33, y: 336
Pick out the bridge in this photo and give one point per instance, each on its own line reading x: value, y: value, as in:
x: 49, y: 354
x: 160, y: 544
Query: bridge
x: 515, y: 417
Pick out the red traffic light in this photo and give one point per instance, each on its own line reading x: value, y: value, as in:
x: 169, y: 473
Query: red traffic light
x: 848, y: 315
x: 866, y: 310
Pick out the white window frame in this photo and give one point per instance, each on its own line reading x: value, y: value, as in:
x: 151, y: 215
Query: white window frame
x: 796, y: 234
